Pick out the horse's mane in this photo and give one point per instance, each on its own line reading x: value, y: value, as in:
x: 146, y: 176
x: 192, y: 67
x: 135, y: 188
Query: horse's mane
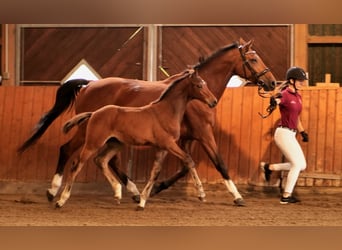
x: 170, y: 86
x: 205, y: 60
x: 201, y: 62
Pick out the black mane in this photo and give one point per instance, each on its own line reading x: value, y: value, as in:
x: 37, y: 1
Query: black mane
x: 203, y: 60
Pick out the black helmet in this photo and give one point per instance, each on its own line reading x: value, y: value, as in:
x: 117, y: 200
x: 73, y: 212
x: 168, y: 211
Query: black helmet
x: 296, y: 73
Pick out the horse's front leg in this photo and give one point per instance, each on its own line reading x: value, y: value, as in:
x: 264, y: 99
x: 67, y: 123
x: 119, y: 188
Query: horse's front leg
x: 211, y: 148
x: 157, y: 165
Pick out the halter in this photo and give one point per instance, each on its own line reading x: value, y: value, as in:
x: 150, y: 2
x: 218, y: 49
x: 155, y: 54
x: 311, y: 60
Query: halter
x: 255, y: 74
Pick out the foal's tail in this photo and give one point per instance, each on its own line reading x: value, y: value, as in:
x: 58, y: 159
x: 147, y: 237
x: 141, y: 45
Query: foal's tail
x: 76, y: 120
x: 65, y: 98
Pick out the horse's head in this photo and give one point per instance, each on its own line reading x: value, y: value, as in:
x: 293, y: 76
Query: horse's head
x: 254, y: 69
x: 200, y: 89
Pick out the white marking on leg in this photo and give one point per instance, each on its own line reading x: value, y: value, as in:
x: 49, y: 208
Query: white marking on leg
x: 198, y: 183
x: 232, y: 189
x: 55, y: 184
x: 64, y: 197
x: 132, y: 188
x: 142, y: 202
x: 118, y: 191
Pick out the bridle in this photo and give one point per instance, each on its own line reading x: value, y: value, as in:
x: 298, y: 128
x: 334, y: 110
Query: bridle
x: 261, y: 92
x: 255, y: 75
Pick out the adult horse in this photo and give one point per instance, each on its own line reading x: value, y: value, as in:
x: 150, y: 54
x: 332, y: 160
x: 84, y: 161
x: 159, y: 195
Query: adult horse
x: 235, y: 59
x: 123, y: 125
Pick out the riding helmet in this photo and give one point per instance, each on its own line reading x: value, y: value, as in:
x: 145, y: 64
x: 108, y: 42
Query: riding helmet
x: 296, y: 73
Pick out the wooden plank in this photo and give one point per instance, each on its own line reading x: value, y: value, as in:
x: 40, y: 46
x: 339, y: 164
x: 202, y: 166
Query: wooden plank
x: 234, y: 146
x: 321, y: 130
x: 330, y: 133
x: 245, y: 135
x: 7, y: 138
x: 337, y: 163
x: 27, y: 126
x: 256, y: 154
x: 3, y: 128
x: 223, y: 127
x: 312, y: 128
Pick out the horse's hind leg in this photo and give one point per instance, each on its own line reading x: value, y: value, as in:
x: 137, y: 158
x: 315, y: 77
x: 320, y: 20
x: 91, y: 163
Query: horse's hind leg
x: 65, y: 152
x: 75, y: 170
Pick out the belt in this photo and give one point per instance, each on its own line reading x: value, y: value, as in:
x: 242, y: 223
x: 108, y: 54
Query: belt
x: 291, y: 129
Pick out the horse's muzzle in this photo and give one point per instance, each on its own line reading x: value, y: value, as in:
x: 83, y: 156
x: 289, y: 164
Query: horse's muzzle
x: 212, y: 104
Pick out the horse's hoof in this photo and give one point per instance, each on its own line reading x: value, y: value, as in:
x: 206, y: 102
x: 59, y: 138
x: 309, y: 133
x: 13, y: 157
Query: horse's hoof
x: 139, y: 208
x: 157, y: 188
x: 203, y: 199
x: 117, y: 200
x: 136, y: 198
x: 49, y: 196
x: 239, y: 202
x: 58, y: 205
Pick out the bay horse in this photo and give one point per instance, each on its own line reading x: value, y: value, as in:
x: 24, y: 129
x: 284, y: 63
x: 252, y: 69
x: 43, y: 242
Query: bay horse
x: 156, y: 124
x: 234, y: 59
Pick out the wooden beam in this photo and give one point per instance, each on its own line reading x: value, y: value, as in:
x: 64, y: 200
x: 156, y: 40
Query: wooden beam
x: 324, y: 39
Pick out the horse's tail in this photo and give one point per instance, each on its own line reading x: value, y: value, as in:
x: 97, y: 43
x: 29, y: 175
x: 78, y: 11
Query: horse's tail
x: 76, y: 120
x: 65, y: 98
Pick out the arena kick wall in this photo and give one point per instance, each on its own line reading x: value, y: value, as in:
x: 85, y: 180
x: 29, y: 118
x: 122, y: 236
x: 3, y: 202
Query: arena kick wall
x: 244, y: 139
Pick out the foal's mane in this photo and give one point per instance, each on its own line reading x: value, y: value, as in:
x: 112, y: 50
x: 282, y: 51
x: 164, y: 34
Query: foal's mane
x: 170, y: 87
x: 205, y: 60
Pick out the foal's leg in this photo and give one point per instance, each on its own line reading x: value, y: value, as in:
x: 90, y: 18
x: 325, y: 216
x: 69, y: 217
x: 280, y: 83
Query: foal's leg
x: 189, y: 163
x: 160, y: 186
x: 65, y: 152
x: 114, y: 164
x: 160, y: 156
x: 101, y: 160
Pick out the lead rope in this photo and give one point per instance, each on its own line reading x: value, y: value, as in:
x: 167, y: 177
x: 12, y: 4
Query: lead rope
x: 273, y: 103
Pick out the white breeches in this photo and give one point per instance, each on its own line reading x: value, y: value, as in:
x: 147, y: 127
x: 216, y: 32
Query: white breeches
x: 289, y: 146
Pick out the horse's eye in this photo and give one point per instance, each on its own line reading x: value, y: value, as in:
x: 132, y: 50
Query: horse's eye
x: 253, y: 60
x: 199, y: 86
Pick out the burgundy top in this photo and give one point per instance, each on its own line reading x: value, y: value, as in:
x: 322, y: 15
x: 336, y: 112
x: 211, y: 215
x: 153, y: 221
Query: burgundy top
x: 290, y: 107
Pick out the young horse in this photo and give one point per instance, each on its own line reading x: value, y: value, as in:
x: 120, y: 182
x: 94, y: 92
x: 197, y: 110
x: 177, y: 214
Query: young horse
x: 234, y: 59
x: 160, y: 128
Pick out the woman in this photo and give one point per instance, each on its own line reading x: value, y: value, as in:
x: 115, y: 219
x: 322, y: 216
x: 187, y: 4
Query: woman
x: 290, y: 105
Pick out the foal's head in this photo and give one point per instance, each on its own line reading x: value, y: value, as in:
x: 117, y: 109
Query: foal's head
x: 200, y: 90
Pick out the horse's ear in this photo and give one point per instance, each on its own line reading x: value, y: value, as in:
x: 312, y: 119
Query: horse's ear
x: 248, y: 45
x: 242, y: 41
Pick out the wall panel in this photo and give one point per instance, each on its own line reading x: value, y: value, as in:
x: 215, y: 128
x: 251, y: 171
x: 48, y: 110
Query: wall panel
x: 244, y: 139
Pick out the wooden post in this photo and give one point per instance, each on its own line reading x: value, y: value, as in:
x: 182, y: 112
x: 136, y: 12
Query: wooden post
x: 8, y: 54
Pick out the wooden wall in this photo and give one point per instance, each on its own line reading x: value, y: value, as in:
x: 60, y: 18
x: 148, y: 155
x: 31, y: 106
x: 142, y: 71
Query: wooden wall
x: 48, y: 54
x: 243, y: 137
